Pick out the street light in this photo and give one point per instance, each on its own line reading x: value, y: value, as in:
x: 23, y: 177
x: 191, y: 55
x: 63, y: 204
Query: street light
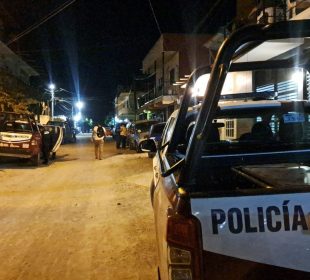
x: 52, y: 89
x: 79, y: 105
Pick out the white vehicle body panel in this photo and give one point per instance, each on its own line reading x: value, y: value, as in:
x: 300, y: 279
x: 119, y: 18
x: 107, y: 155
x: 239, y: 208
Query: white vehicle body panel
x: 13, y: 137
x: 261, y: 245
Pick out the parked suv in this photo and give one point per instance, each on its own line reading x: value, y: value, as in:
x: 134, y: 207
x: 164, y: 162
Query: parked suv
x: 20, y: 137
x: 231, y: 185
x: 139, y: 131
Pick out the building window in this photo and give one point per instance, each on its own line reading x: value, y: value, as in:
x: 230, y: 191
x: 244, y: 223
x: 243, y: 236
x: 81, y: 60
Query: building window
x: 230, y: 128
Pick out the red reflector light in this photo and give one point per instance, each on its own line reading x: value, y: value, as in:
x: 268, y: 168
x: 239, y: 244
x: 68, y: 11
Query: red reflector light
x: 183, y: 230
x: 184, y: 237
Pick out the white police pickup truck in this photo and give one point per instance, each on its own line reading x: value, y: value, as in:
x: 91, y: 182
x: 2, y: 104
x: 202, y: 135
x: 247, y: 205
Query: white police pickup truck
x: 231, y: 185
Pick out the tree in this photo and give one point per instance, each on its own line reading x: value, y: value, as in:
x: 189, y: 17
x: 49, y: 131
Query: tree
x: 16, y: 96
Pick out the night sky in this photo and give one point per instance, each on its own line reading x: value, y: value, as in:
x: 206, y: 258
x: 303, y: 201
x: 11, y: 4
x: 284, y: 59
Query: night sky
x: 94, y: 45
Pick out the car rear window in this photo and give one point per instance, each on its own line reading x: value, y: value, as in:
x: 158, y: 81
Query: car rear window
x: 16, y: 126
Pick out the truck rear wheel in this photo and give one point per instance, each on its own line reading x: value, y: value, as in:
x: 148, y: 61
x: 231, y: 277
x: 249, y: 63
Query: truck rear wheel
x: 152, y: 189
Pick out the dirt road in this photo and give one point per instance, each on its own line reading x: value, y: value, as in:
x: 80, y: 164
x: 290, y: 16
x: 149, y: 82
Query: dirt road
x: 78, y: 218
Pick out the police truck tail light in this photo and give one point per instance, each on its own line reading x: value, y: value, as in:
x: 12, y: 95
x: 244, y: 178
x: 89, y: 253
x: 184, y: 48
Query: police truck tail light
x: 179, y: 256
x: 180, y: 274
x: 184, y: 248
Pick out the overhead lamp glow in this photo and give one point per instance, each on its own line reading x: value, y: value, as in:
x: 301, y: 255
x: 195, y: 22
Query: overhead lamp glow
x: 79, y: 105
x: 78, y: 117
x: 200, y: 85
x: 297, y: 76
x: 51, y: 86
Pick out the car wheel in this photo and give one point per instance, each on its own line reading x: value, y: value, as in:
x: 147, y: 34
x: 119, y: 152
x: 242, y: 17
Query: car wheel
x: 35, y: 160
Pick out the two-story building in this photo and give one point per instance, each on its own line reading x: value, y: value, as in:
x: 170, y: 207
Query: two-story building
x: 171, y: 58
x: 283, y: 83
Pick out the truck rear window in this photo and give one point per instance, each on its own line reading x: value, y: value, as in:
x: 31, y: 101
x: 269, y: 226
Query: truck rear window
x: 282, y: 126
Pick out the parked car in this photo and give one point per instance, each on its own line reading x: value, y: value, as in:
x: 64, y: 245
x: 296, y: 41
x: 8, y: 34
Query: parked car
x: 69, y: 132
x: 155, y: 134
x: 108, y: 131
x: 231, y: 188
x: 20, y: 137
x: 137, y: 132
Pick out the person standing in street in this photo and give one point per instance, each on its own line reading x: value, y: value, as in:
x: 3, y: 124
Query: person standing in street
x: 47, y: 144
x: 98, y: 136
x: 123, y: 134
x: 117, y: 136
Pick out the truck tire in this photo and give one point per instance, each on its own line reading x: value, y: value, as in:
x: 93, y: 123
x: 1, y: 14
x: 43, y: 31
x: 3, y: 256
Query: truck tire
x: 152, y: 189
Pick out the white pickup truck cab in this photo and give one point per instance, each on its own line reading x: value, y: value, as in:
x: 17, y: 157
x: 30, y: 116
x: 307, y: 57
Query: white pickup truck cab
x: 231, y: 185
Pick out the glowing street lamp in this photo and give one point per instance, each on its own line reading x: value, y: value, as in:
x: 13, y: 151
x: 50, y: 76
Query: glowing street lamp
x: 52, y: 89
x: 79, y: 105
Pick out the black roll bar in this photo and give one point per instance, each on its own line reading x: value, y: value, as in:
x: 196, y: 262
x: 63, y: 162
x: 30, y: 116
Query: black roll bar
x: 227, y: 52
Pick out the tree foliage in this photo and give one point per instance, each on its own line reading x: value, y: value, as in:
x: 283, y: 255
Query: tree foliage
x: 15, y: 96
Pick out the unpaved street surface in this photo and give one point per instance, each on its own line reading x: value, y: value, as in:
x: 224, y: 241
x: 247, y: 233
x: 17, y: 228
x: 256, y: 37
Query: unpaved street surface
x: 78, y: 218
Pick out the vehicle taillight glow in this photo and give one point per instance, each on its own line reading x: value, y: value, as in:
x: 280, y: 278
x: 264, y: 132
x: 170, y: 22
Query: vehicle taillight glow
x: 184, y: 247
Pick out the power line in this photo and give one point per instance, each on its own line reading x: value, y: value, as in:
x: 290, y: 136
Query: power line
x: 154, y: 15
x: 45, y: 19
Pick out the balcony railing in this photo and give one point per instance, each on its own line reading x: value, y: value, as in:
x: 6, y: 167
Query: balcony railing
x: 282, y: 12
x: 163, y: 90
